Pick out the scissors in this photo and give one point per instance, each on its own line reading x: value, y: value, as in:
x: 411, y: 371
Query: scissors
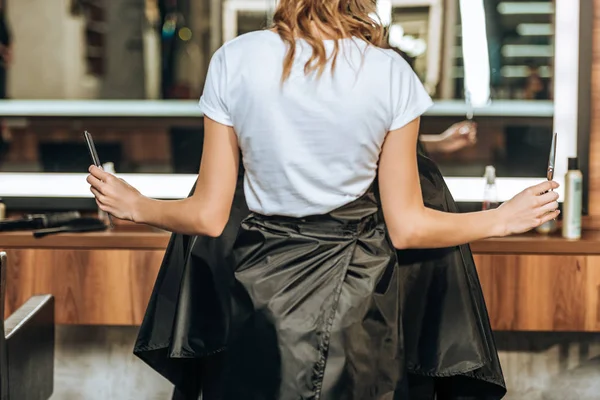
x: 552, y: 159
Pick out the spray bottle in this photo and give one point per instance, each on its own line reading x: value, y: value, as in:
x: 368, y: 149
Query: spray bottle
x: 490, y: 192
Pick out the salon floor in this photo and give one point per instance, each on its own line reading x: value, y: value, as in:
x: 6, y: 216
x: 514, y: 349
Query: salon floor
x: 95, y: 363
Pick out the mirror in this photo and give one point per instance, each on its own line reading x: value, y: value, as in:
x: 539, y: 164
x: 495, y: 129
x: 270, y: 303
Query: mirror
x: 139, y: 50
x: 160, y: 49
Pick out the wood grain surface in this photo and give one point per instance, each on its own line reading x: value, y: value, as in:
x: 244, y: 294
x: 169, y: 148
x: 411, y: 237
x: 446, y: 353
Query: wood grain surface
x: 91, y: 287
x: 131, y: 239
x: 531, y: 282
x: 541, y: 292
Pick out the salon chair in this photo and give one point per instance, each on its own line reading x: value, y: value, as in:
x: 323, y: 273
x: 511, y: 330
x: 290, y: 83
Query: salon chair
x: 26, y: 346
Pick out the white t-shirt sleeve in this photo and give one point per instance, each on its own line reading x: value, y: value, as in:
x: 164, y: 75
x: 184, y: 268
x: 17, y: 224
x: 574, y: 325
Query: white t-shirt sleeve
x: 409, y: 98
x: 213, y: 102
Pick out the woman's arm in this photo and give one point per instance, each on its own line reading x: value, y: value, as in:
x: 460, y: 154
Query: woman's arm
x: 206, y: 212
x: 456, y: 137
x: 412, y: 225
x: 431, y: 143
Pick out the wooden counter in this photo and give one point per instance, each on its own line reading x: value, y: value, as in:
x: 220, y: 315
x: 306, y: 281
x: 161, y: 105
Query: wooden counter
x: 142, y: 238
x: 123, y: 237
x: 531, y: 282
x: 100, y: 278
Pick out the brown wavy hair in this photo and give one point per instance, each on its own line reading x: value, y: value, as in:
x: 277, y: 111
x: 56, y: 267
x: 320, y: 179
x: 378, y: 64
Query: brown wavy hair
x: 311, y: 20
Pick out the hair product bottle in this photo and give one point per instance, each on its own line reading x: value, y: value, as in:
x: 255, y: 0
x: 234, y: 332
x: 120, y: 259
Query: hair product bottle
x: 110, y: 168
x: 2, y: 210
x: 571, y: 228
x: 490, y: 192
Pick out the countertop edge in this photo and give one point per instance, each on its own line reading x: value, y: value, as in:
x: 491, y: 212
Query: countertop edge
x: 589, y: 244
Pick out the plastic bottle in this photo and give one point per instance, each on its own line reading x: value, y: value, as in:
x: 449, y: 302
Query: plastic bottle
x: 490, y: 192
x: 571, y: 228
x: 110, y: 168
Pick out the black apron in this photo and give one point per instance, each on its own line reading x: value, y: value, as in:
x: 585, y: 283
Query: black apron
x: 320, y: 308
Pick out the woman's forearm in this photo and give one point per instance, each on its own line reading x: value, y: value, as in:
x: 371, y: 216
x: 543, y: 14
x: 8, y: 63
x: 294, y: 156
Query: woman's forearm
x: 429, y: 138
x: 185, y: 216
x: 437, y: 229
x: 430, y: 142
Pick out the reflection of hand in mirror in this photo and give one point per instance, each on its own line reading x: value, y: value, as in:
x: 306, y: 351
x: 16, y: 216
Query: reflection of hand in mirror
x: 456, y: 137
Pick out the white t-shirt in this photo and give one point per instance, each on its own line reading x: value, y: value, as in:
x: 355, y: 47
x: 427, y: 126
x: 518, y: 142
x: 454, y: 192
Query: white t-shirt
x: 313, y: 144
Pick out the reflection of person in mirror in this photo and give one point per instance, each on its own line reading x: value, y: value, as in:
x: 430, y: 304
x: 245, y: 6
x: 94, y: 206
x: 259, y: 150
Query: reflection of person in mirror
x: 457, y: 137
x: 535, y: 89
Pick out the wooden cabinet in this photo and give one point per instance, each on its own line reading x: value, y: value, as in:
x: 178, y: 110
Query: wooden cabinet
x: 530, y: 283
x: 100, y: 278
x: 91, y: 287
x: 553, y: 292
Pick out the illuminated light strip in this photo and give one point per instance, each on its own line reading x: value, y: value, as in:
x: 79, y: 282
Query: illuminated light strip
x: 20, y: 110
x: 178, y: 186
x: 535, y: 29
x: 475, y: 52
x: 522, y: 71
x: 566, y: 82
x: 527, y: 50
x: 524, y: 8
x: 471, y: 189
x: 384, y: 12
x: 100, y: 108
x: 168, y: 186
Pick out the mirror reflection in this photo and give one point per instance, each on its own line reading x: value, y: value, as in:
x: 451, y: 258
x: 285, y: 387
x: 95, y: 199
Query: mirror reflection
x: 160, y: 50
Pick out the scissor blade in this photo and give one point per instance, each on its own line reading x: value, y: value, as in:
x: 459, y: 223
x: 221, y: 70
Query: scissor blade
x: 552, y: 158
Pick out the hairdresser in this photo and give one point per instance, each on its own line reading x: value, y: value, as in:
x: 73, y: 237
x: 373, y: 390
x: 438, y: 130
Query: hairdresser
x: 327, y: 123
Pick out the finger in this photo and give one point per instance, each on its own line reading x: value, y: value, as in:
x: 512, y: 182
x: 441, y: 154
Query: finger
x: 543, y: 187
x: 95, y: 182
x: 473, y: 134
x: 464, y: 130
x: 547, y: 208
x: 546, y: 198
x: 99, y: 196
x: 104, y: 207
x: 549, y: 217
x: 99, y: 173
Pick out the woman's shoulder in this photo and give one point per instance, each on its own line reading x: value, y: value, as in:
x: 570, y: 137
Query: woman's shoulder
x: 391, y: 55
x: 387, y: 60
x: 250, y: 40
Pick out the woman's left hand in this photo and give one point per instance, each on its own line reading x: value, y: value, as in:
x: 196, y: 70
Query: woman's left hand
x: 457, y: 137
x: 114, y: 195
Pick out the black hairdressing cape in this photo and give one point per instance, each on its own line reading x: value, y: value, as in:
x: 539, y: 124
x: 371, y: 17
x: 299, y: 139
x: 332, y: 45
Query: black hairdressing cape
x: 321, y: 308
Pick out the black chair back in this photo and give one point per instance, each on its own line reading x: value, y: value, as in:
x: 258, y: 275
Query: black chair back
x: 3, y: 348
x: 26, y: 346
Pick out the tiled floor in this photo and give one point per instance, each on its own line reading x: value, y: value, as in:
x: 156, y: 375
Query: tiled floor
x: 96, y: 363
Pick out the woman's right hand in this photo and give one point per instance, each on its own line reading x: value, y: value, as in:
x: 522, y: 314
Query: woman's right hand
x: 529, y: 209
